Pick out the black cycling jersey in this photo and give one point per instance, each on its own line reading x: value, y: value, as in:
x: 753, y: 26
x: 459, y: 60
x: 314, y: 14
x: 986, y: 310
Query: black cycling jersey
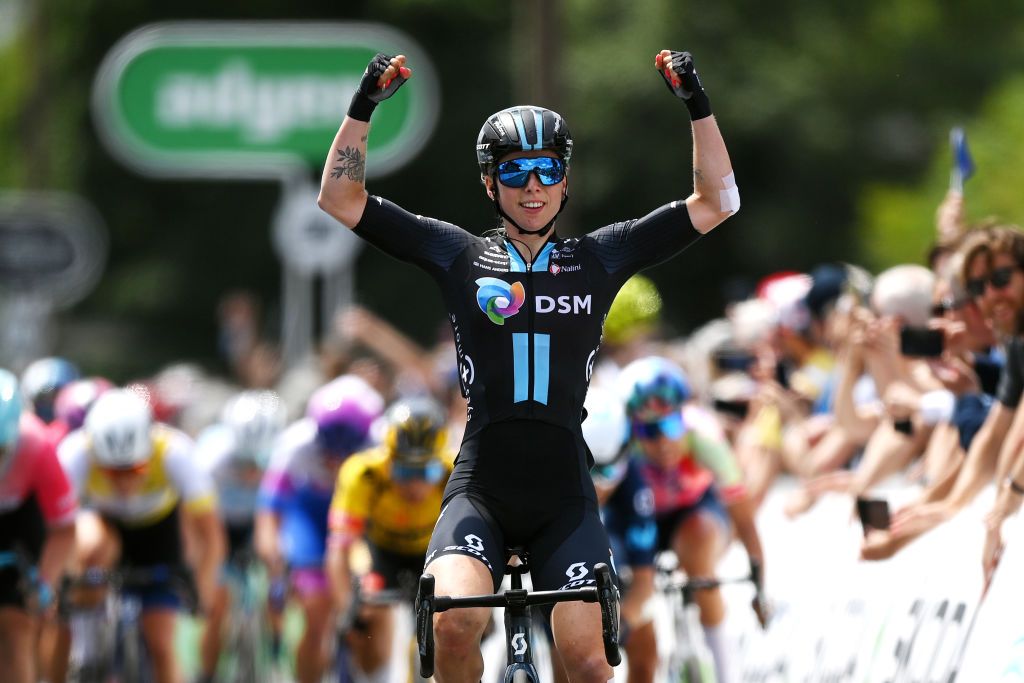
x: 527, y: 329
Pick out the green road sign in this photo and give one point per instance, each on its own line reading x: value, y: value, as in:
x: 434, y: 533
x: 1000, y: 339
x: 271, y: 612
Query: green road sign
x: 254, y: 99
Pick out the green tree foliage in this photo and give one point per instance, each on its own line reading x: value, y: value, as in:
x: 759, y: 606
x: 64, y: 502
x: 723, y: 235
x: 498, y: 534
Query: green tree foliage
x: 899, y: 221
x: 830, y: 111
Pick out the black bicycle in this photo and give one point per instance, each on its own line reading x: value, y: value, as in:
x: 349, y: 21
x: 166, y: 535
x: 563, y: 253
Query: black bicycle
x: 690, y: 660
x: 518, y: 623
x: 107, y: 642
x: 352, y: 621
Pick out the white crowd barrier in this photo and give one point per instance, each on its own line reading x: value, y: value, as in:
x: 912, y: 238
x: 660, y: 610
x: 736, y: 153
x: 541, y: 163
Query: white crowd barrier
x: 919, y: 616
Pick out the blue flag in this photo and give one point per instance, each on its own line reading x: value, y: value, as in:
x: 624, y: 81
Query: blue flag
x: 963, y: 164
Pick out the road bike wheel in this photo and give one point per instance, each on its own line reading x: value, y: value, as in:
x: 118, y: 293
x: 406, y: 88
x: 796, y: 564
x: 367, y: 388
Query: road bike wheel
x: 696, y: 671
x: 245, y: 653
x: 134, y: 665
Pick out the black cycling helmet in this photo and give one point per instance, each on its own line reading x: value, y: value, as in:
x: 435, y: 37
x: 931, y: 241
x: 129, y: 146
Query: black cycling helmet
x: 518, y: 129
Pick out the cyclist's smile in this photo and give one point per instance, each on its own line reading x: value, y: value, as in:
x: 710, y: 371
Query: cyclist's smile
x: 534, y: 204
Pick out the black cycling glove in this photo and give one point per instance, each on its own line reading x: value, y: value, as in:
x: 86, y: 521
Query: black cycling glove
x: 689, y: 90
x: 368, y: 95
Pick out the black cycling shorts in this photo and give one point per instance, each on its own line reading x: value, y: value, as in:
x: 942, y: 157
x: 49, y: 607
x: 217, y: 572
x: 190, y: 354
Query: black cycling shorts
x: 22, y: 530
x: 524, y: 483
x: 709, y: 503
x: 154, y: 544
x: 399, y: 571
x: 239, y: 541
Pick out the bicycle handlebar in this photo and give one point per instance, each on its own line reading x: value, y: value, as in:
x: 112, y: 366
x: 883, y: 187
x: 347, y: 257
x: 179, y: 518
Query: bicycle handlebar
x: 515, y: 598
x: 755, y: 577
x: 605, y: 593
x: 179, y: 579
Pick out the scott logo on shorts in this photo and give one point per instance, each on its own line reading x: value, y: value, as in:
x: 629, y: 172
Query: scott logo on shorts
x: 577, y: 573
x: 474, y: 546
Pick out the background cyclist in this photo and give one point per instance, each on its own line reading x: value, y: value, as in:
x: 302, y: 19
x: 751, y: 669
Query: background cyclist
x: 698, y: 486
x: 627, y: 509
x: 389, y: 497
x: 235, y: 452
x: 41, y: 382
x: 37, y: 514
x: 142, y: 492
x: 294, y: 498
x: 526, y: 308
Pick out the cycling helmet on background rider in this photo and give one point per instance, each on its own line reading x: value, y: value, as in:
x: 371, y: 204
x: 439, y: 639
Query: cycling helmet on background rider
x: 606, y: 431
x: 654, y: 390
x: 118, y: 426
x: 635, y: 311
x: 75, y: 399
x: 343, y: 410
x: 416, y: 433
x: 10, y: 413
x: 41, y: 381
x: 255, y: 418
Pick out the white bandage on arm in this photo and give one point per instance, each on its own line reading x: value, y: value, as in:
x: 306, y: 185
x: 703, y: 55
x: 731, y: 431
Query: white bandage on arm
x: 937, y: 406
x: 730, y: 196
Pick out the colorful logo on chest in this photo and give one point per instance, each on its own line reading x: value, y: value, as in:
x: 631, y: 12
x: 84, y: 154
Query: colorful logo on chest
x: 499, y: 299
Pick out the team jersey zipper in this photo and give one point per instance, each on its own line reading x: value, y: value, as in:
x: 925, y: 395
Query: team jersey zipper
x: 529, y: 329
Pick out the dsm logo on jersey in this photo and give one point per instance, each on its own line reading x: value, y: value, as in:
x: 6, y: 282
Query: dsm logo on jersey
x: 563, y: 304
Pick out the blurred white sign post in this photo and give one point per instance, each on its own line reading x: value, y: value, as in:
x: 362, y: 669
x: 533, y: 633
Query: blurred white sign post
x: 311, y: 244
x: 263, y: 100
x: 52, y: 250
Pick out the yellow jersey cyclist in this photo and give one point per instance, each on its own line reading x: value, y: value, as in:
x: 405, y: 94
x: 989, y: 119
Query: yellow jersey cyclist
x: 235, y: 452
x: 141, y: 494
x: 389, y: 497
x: 697, y: 485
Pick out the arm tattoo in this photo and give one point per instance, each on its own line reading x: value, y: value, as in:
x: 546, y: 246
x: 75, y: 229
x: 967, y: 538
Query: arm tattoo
x: 351, y: 164
x: 364, y: 138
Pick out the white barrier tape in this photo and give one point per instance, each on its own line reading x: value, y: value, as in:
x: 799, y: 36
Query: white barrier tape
x: 892, y: 620
x: 937, y: 406
x: 730, y: 196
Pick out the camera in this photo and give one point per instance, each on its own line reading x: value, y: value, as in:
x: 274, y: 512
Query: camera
x: 921, y: 342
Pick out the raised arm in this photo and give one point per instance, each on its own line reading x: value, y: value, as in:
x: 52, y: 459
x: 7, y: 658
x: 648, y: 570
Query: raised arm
x: 343, y: 184
x: 715, y: 195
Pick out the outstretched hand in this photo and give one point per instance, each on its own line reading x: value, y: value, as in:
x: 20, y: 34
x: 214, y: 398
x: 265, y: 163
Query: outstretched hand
x: 383, y: 77
x: 681, y: 77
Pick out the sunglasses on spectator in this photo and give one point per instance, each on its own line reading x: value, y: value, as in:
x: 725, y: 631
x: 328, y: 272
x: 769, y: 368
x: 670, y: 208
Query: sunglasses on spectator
x: 945, y: 306
x: 998, y: 278
x: 516, y: 172
x: 670, y: 426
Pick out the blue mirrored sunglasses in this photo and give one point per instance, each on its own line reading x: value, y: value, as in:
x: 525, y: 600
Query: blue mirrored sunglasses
x: 670, y: 426
x: 431, y: 473
x: 516, y: 172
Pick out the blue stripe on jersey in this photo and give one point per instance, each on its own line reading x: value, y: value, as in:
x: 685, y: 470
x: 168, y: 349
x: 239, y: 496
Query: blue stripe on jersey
x: 545, y: 254
x: 521, y: 366
x: 541, y: 367
x: 516, y: 264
